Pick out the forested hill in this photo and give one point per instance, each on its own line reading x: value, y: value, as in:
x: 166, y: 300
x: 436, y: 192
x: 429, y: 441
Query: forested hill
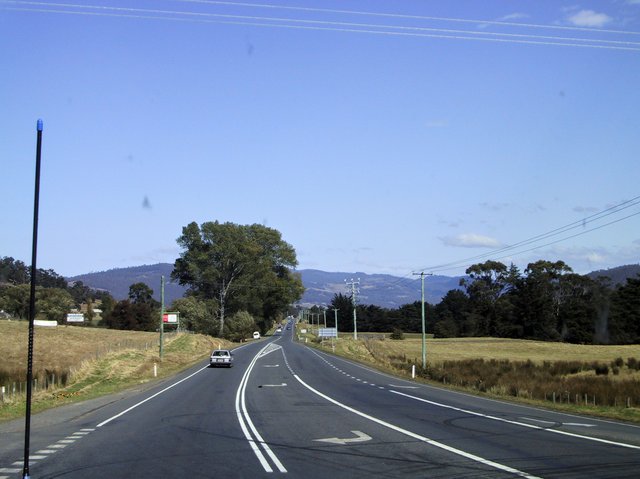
x: 383, y: 290
x: 117, y: 281
x: 618, y: 275
x: 378, y: 289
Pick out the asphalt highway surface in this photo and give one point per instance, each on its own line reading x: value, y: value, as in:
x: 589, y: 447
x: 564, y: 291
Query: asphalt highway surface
x: 288, y: 410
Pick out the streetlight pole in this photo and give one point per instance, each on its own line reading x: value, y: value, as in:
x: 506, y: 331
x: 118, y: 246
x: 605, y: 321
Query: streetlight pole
x: 161, y: 315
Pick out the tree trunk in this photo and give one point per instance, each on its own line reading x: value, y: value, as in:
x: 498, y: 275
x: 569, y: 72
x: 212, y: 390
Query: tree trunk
x: 222, y: 297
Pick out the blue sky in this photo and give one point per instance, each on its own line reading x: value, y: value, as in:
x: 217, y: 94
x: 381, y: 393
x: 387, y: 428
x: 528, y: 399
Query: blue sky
x: 386, y: 137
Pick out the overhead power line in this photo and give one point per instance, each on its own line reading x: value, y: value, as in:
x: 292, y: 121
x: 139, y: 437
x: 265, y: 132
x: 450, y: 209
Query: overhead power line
x: 322, y: 25
x: 515, y: 248
x: 408, y: 17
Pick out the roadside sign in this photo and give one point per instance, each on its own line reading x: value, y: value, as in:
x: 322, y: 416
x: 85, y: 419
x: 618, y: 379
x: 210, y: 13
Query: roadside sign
x: 328, y: 333
x: 170, y: 318
x: 75, y: 318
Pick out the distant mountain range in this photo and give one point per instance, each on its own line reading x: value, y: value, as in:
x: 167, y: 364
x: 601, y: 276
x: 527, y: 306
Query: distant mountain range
x: 383, y: 290
x: 617, y: 275
x: 380, y: 289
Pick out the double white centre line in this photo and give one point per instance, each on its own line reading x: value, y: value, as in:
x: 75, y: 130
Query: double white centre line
x: 250, y: 432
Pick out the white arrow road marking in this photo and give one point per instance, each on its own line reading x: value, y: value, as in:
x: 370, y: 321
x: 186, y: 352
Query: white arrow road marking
x: 360, y: 437
x: 269, y: 349
x: 538, y: 420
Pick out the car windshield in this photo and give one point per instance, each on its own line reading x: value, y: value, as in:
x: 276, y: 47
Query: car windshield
x: 433, y: 187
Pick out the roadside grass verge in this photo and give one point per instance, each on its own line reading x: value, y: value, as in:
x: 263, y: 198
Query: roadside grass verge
x: 90, y: 373
x: 597, y: 380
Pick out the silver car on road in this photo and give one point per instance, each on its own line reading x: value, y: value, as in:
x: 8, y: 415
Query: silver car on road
x: 221, y: 357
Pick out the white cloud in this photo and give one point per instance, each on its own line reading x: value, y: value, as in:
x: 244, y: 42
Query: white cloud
x: 513, y: 16
x: 589, y: 18
x: 470, y: 240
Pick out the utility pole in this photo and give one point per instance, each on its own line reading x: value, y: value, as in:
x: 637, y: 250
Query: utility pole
x: 335, y: 315
x: 324, y: 313
x: 354, y: 301
x: 161, y: 313
x: 424, y: 335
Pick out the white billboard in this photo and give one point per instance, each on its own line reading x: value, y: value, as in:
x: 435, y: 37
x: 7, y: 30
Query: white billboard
x: 75, y: 318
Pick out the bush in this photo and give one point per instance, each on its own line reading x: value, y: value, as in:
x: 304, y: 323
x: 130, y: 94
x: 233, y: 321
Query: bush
x: 397, y: 334
x: 601, y: 369
x: 633, y: 363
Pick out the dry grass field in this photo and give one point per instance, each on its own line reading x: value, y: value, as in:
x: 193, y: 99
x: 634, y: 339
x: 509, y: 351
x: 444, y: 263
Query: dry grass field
x: 439, y: 350
x: 62, y: 348
x: 73, y: 363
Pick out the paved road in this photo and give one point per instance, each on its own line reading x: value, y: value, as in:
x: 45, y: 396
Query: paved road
x: 285, y: 409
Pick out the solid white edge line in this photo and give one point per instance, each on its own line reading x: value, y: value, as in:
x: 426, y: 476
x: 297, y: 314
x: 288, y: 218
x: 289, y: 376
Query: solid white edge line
x: 150, y: 398
x: 517, y: 423
x: 153, y: 396
x: 413, y: 435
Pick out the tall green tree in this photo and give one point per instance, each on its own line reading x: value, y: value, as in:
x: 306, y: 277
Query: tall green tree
x: 142, y: 293
x: 241, y: 267
x: 624, y: 320
x: 196, y: 315
x: 343, y: 304
x: 450, y: 314
x: 132, y: 316
x: 540, y: 299
x: 13, y: 271
x: 240, y: 326
x: 486, y: 283
x: 15, y: 300
x: 53, y: 304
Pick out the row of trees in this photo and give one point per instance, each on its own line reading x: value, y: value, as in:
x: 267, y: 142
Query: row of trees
x: 54, y: 297
x: 548, y: 302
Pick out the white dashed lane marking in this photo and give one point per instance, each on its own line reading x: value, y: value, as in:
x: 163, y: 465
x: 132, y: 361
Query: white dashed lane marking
x: 350, y: 376
x: 44, y: 453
